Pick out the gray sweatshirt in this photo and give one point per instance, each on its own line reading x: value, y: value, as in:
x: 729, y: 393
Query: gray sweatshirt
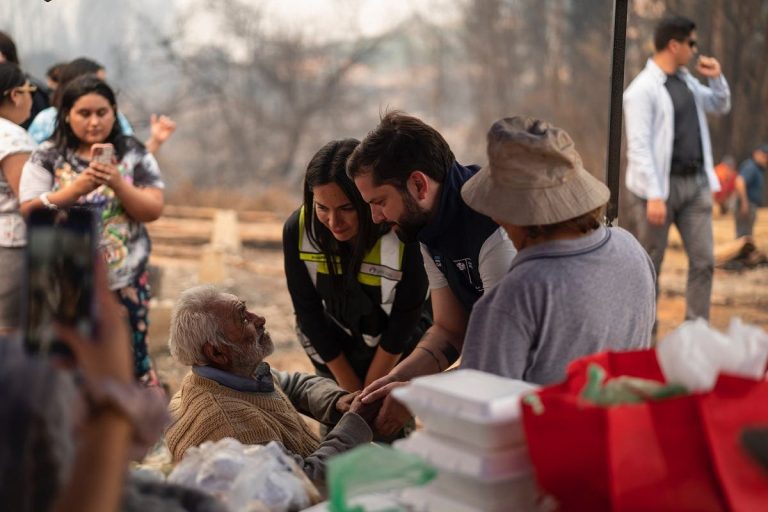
x: 562, y: 300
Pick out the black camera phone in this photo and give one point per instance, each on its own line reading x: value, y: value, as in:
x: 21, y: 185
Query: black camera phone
x: 61, y: 252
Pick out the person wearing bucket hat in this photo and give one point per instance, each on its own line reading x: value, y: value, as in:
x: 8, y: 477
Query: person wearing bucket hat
x: 670, y: 171
x: 575, y: 286
x: 408, y: 174
x: 752, y: 171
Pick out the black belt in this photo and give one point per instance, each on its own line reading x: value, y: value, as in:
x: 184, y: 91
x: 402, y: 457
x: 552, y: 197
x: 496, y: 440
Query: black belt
x: 685, y: 169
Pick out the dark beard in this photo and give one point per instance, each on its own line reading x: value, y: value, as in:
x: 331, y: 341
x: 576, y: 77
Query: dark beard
x: 412, y: 221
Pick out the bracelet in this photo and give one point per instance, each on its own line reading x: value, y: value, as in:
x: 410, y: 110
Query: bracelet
x: 47, y: 202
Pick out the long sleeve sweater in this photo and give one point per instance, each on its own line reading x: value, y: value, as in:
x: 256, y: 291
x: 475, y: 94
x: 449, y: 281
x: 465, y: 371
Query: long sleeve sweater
x: 204, y: 410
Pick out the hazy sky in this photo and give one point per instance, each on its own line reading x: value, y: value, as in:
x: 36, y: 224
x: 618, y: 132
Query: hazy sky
x: 373, y: 16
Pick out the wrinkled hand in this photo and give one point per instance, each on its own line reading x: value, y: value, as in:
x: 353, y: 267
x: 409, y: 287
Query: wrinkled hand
x: 161, y: 128
x: 392, y: 416
x: 380, y: 388
x: 367, y: 411
x: 108, y: 356
x: 345, y: 401
x: 106, y: 174
x: 656, y: 211
x: 708, y: 66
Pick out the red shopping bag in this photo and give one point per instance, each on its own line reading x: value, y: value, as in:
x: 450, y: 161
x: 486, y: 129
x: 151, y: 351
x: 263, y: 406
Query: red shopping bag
x: 680, y: 454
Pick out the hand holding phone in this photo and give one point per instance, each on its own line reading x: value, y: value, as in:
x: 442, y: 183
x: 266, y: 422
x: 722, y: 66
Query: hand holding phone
x: 61, y: 254
x: 102, y: 153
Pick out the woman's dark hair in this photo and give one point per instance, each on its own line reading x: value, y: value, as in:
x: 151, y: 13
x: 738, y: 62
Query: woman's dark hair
x: 10, y: 76
x: 8, y: 48
x: 71, y: 70
x: 329, y: 166
x: 54, y: 72
x: 583, y: 224
x: 63, y: 137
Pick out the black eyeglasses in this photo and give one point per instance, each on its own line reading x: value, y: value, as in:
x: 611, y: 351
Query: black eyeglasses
x: 692, y: 43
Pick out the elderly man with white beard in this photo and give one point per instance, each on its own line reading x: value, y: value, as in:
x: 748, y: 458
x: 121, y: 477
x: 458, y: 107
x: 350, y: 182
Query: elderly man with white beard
x: 232, y: 392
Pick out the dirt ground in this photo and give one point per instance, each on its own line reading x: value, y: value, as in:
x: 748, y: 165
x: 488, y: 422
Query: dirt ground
x: 258, y: 278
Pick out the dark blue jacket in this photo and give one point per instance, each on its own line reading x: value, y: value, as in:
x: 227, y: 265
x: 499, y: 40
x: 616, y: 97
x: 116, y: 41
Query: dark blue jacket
x: 455, y: 236
x: 753, y: 179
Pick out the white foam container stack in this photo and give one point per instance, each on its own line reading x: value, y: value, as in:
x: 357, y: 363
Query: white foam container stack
x: 474, y: 437
x: 473, y: 407
x: 486, y: 480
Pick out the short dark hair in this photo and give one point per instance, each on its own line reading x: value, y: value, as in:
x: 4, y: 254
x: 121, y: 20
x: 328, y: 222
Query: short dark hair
x: 63, y: 137
x: 74, y: 69
x: 672, y: 27
x: 583, y: 224
x: 399, y: 145
x: 8, y: 48
x: 54, y: 72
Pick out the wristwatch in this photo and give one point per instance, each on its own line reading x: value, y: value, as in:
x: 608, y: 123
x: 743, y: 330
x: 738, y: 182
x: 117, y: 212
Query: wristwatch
x: 46, y: 202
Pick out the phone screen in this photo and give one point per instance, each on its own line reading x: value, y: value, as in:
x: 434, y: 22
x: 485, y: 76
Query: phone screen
x: 60, y: 256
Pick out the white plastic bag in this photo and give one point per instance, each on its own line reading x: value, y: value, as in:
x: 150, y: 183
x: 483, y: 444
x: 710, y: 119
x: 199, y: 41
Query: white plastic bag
x: 695, y: 354
x: 245, y: 477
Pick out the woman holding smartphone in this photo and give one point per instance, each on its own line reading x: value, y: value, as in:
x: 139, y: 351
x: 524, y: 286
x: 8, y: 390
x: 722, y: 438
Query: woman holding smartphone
x: 125, y: 189
x: 15, y: 148
x: 358, y: 292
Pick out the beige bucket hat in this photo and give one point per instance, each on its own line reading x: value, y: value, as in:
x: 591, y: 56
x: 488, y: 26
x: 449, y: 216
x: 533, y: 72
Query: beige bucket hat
x: 534, y: 176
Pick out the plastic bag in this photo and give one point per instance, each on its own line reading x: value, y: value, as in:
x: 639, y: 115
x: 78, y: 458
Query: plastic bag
x: 373, y: 468
x: 246, y: 478
x: 695, y: 354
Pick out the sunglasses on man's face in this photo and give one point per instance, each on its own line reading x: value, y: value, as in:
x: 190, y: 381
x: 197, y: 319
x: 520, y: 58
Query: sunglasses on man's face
x: 692, y: 43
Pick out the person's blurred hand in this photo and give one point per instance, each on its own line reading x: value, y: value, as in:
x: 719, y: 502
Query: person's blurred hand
x: 656, y: 211
x: 708, y: 66
x: 393, y: 415
x: 367, y: 411
x: 161, y: 128
x: 85, y: 183
x: 379, y: 388
x: 345, y: 402
x: 744, y: 209
x: 106, y: 174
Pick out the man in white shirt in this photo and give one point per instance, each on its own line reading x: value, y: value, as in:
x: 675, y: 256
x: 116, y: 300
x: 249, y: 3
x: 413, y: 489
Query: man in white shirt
x: 670, y: 173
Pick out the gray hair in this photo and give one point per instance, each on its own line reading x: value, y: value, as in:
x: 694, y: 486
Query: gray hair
x: 193, y: 323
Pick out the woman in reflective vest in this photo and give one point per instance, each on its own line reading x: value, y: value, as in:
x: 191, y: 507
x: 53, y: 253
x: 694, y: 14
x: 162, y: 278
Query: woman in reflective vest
x: 358, y: 292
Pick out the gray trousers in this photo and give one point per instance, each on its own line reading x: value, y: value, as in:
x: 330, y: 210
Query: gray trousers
x: 689, y: 208
x: 745, y: 224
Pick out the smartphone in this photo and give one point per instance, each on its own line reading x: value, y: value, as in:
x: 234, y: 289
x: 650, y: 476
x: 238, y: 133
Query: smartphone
x: 102, y: 153
x: 60, y: 256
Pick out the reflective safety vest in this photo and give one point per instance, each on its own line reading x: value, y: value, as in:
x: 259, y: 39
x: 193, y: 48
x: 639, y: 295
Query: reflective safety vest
x: 381, y: 267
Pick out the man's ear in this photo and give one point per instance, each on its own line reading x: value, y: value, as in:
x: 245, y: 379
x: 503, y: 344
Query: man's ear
x: 217, y: 355
x: 420, y: 184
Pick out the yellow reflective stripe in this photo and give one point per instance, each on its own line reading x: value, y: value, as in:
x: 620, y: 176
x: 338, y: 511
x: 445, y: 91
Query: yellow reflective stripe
x: 368, y: 279
x: 312, y: 256
x: 372, y: 269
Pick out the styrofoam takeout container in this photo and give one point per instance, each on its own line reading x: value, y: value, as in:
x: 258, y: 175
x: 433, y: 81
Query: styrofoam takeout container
x: 449, y: 494
x: 487, y: 465
x: 488, y: 479
x: 474, y: 407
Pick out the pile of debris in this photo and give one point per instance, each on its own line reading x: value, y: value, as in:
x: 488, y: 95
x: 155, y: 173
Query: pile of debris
x: 740, y: 254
